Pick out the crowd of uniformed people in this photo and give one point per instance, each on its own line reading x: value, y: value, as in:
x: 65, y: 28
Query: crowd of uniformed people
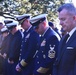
x: 29, y: 45
x: 28, y: 48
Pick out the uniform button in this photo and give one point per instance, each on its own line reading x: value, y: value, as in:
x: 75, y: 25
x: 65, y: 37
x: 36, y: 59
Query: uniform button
x: 37, y: 56
x: 20, y: 53
x: 42, y: 51
x: 19, y: 58
x: 21, y: 45
x: 25, y: 40
x: 37, y: 62
x: 44, y: 56
x: 20, y: 49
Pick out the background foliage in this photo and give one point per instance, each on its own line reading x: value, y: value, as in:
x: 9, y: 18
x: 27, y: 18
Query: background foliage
x: 34, y: 7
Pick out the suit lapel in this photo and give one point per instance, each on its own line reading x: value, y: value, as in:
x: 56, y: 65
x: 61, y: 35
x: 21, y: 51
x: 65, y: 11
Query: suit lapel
x: 60, y: 49
x: 63, y: 48
x: 72, y: 38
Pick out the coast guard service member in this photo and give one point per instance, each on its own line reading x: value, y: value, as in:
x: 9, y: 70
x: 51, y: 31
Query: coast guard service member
x: 28, y: 47
x: 4, y: 50
x: 1, y: 39
x: 47, y: 47
x: 4, y: 33
x: 2, y: 24
x: 14, y: 49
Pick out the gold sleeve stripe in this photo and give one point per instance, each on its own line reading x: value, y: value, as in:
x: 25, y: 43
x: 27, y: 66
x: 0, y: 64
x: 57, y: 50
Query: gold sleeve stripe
x: 23, y: 63
x: 42, y: 70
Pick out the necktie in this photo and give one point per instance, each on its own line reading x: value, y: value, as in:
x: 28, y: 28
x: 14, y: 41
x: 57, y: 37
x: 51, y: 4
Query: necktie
x: 65, y: 38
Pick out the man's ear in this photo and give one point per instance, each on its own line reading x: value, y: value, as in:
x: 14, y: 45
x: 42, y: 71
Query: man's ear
x: 74, y: 17
x: 44, y: 23
x: 27, y: 20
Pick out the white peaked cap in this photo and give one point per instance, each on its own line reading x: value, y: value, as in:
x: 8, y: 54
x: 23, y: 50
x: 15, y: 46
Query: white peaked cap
x: 4, y: 29
x: 12, y: 23
x: 2, y: 20
x: 21, y: 17
x: 37, y: 18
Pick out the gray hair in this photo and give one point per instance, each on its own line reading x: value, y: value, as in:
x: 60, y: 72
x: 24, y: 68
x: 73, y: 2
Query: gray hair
x: 69, y: 7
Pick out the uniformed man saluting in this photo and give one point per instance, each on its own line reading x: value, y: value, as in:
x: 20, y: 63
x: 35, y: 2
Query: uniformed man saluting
x: 47, y: 47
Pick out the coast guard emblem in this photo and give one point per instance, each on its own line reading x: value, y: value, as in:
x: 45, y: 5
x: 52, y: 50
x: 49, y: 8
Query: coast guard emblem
x: 51, y: 52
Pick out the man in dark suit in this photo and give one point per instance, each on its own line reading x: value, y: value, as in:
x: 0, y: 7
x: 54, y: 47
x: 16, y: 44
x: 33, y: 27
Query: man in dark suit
x: 66, y: 61
x: 47, y: 46
x: 28, y: 46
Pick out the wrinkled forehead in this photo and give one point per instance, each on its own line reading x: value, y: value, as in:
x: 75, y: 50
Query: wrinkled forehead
x: 63, y: 13
x: 66, y: 12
